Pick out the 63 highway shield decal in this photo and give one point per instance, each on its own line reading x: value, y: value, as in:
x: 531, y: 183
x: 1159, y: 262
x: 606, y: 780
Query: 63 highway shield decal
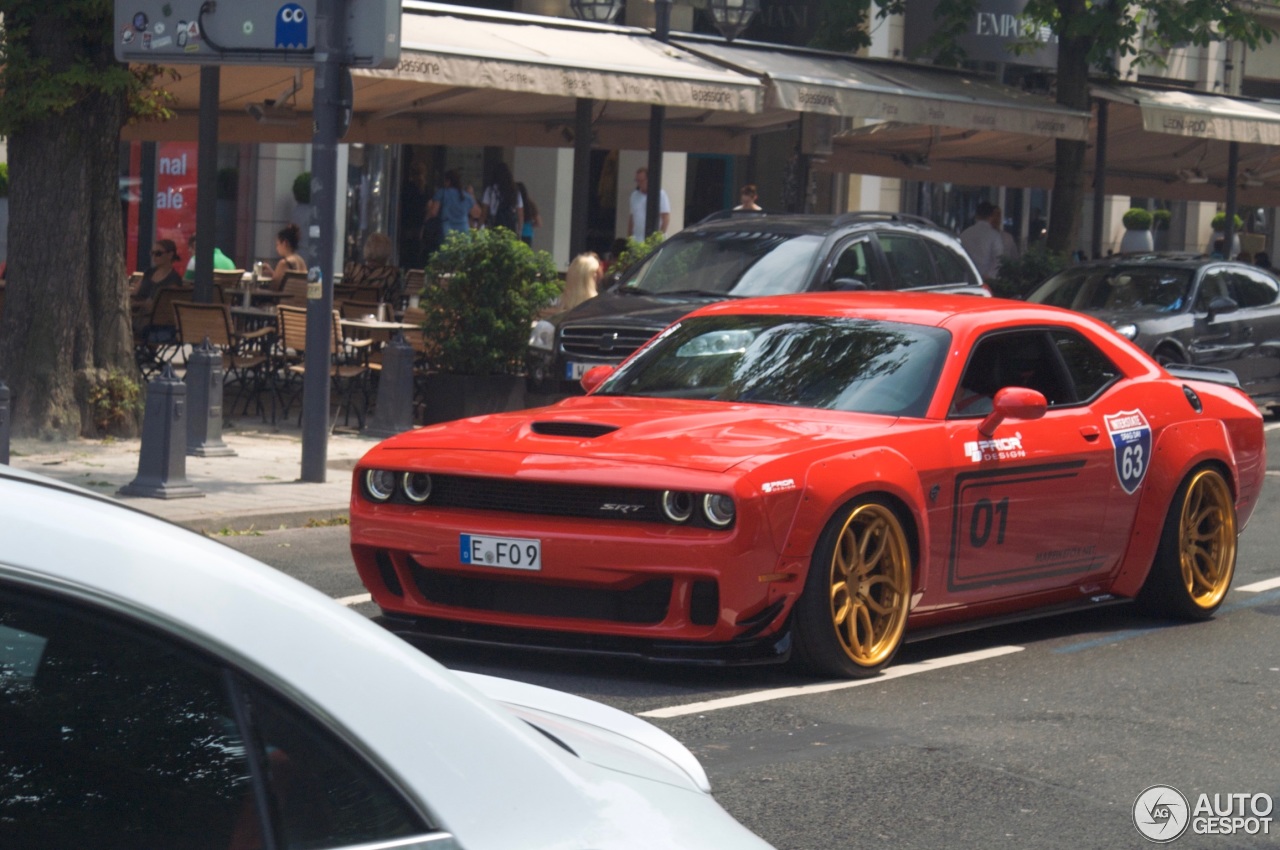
x: 1131, y: 437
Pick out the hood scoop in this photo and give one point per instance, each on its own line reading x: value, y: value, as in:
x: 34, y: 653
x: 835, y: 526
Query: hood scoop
x: 581, y: 430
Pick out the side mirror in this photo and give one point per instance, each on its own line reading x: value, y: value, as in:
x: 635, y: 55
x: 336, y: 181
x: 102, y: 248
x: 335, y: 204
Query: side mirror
x: 595, y: 376
x: 1013, y: 403
x: 1220, y: 304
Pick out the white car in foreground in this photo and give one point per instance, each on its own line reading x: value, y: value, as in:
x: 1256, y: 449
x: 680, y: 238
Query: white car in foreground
x: 160, y: 690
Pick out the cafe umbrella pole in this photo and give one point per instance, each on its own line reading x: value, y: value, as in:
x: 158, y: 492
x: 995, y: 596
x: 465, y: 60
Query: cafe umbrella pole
x: 328, y: 109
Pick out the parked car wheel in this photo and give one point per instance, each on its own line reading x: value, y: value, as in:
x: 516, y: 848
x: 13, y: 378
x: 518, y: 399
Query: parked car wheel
x: 1197, y: 554
x: 1167, y: 355
x: 853, y: 614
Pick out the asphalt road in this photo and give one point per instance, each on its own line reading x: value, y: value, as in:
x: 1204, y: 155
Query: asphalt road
x: 1039, y: 735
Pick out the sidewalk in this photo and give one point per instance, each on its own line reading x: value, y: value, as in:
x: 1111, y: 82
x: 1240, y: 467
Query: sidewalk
x: 257, y: 489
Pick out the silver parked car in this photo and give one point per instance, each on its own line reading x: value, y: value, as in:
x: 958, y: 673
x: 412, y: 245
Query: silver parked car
x: 158, y: 689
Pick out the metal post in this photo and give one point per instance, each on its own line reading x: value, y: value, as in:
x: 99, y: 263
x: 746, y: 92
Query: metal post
x: 207, y: 181
x: 1233, y: 175
x: 657, y: 117
x: 4, y: 423
x: 1099, y: 178
x: 581, y: 177
x: 204, y: 402
x: 330, y: 22
x: 162, y: 460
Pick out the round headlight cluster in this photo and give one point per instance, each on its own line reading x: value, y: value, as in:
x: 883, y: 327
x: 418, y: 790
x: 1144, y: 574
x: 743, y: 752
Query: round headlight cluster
x: 717, y: 510
x: 382, y: 485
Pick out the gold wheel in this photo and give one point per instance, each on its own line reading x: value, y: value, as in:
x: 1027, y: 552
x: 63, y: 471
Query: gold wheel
x: 1207, y: 539
x: 870, y: 585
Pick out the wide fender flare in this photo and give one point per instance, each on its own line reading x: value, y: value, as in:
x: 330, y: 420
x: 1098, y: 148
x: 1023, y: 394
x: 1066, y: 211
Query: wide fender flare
x: 1179, y: 449
x: 833, y: 482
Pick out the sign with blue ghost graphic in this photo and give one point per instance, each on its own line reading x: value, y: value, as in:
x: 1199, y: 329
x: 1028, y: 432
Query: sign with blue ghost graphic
x: 250, y: 32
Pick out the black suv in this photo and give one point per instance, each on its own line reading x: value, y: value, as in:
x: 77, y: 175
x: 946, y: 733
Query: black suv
x: 737, y: 255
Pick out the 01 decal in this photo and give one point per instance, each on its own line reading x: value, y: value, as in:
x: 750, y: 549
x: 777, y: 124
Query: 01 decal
x: 1131, y: 437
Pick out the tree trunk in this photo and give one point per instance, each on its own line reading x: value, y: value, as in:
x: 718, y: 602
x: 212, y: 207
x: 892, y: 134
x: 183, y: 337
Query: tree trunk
x: 66, y: 302
x: 1068, y: 172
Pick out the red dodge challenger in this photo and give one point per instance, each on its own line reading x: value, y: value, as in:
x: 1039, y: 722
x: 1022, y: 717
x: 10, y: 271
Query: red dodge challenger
x: 819, y: 477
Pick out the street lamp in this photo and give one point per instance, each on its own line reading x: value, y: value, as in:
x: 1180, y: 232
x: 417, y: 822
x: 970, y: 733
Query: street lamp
x: 597, y: 11
x: 731, y: 17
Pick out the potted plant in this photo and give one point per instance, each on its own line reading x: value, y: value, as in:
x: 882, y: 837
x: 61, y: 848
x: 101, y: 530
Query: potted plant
x: 1017, y: 276
x: 304, y: 215
x: 1137, y: 232
x: 1219, y: 224
x: 484, y: 290
x: 1160, y: 221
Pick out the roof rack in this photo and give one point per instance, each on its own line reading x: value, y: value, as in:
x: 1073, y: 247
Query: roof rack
x: 855, y: 217
x: 720, y: 215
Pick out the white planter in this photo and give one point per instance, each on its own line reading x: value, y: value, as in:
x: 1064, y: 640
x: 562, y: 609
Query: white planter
x: 1137, y: 241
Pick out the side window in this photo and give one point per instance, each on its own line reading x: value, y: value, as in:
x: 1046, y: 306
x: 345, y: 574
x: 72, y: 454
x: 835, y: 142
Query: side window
x: 951, y: 268
x: 1011, y: 359
x: 123, y: 732
x: 1091, y: 371
x: 908, y: 259
x: 856, y: 263
x: 1213, y: 285
x: 1253, y: 290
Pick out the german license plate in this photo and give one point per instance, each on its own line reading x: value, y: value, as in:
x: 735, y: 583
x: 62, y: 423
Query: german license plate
x: 510, y: 553
x: 575, y: 371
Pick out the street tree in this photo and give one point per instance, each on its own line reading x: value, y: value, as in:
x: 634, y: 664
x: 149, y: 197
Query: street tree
x: 64, y: 99
x: 1092, y: 37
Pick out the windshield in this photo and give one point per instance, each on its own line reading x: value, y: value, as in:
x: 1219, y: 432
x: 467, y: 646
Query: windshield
x: 805, y: 361
x: 1132, y: 289
x: 733, y: 263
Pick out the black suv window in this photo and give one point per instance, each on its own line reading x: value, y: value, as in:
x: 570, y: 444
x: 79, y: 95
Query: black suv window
x: 117, y: 736
x: 908, y: 260
x: 728, y: 263
x: 857, y: 262
x: 950, y: 267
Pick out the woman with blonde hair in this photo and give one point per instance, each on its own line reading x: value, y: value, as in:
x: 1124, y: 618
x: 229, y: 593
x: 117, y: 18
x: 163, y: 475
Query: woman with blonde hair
x: 580, y: 281
x: 376, y: 269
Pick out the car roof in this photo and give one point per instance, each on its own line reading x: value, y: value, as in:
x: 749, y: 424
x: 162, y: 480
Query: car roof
x: 1169, y: 259
x: 805, y: 223
x: 346, y: 669
x: 918, y: 308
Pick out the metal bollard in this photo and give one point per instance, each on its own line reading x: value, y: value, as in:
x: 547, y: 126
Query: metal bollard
x: 162, y: 463
x: 394, y: 412
x: 204, y: 403
x: 4, y: 422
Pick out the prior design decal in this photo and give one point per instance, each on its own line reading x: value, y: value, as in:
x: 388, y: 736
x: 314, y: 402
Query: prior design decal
x: 779, y: 486
x: 1004, y: 448
x: 1131, y: 436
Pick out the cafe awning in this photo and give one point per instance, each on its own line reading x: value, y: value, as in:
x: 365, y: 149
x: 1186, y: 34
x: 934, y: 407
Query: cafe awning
x: 1161, y: 143
x: 472, y: 77
x: 841, y: 85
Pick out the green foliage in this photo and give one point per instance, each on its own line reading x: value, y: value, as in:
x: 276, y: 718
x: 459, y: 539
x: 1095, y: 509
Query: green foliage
x: 302, y: 188
x: 1219, y: 222
x: 4, y: 179
x: 1137, y: 218
x: 1015, y: 278
x: 635, y: 252
x: 114, y: 401
x: 1160, y: 219
x: 487, y: 289
x: 37, y: 82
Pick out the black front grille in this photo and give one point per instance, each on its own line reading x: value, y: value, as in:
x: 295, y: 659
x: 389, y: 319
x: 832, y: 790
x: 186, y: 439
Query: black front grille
x: 609, y: 343
x: 645, y: 603
x: 534, y: 497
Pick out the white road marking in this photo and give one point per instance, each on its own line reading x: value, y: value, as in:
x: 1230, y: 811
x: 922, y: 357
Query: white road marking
x: 355, y: 600
x: 1260, y: 586
x: 1271, y: 426
x: 804, y: 690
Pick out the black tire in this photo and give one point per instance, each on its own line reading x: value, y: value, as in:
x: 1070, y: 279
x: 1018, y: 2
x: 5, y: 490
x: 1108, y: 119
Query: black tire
x: 1167, y: 355
x: 1196, y: 559
x: 855, y: 632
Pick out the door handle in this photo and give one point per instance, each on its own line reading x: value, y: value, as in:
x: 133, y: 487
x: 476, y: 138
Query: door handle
x: 1090, y: 432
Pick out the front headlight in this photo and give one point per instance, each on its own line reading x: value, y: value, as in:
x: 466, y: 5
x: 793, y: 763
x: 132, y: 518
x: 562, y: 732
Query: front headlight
x: 718, y: 509
x: 380, y: 484
x: 1129, y: 331
x: 543, y: 336
x: 416, y: 486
